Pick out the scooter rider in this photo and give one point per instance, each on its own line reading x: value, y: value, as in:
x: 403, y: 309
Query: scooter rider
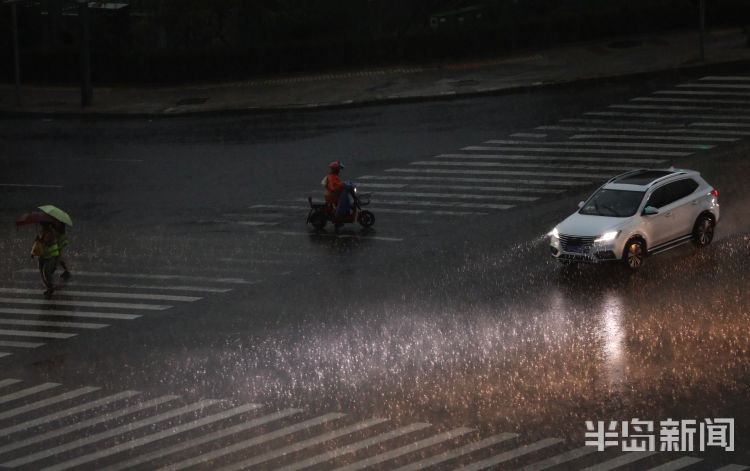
x: 334, y: 189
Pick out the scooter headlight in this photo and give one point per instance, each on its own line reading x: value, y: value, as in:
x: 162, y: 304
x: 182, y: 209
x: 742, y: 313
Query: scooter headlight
x: 608, y: 236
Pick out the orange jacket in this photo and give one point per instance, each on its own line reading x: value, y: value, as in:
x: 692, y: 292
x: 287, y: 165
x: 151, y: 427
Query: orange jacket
x: 333, y: 188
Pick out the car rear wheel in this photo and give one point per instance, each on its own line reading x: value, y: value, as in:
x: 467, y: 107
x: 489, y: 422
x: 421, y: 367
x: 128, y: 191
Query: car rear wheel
x: 635, y: 254
x: 703, y: 232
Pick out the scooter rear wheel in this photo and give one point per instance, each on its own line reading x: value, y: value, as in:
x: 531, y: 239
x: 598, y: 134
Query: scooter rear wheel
x: 318, y: 220
x: 366, y: 218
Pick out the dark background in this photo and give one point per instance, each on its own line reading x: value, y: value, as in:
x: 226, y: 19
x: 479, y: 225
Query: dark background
x: 177, y: 41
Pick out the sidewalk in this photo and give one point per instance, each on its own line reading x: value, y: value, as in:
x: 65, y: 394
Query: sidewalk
x: 585, y: 61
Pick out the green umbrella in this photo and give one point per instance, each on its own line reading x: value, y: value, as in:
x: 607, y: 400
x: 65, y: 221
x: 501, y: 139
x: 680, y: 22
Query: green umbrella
x: 58, y: 214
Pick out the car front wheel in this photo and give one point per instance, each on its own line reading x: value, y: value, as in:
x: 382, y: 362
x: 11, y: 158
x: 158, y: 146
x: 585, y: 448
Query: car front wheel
x: 635, y: 254
x: 703, y: 232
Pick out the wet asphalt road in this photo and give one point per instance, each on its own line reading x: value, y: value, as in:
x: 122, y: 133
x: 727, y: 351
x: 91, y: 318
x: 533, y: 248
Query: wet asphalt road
x: 452, y: 320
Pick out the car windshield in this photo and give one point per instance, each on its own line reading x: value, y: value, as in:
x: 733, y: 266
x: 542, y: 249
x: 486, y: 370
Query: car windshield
x: 613, y: 203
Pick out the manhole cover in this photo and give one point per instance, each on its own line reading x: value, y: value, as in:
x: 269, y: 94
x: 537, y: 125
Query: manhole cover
x: 192, y: 101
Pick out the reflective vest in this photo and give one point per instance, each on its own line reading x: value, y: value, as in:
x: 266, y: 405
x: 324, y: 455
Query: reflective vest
x: 62, y: 241
x: 51, y: 251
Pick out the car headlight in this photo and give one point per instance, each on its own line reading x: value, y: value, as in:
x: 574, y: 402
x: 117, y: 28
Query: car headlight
x: 607, y: 236
x: 554, y: 234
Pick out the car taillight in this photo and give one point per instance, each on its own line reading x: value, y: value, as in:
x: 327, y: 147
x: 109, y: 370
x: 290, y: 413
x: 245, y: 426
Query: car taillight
x: 715, y: 192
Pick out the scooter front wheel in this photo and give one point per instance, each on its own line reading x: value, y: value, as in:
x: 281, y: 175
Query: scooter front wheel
x: 366, y: 218
x: 318, y: 220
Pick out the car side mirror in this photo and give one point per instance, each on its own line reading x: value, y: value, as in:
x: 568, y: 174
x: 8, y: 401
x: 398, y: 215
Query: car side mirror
x: 580, y: 204
x: 650, y: 210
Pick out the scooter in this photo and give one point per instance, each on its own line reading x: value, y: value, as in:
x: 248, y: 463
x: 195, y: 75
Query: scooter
x: 322, y: 213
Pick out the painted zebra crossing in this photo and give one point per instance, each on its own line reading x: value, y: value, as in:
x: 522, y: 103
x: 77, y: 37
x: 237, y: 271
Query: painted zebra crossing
x: 527, y: 167
x: 29, y: 321
x: 51, y: 427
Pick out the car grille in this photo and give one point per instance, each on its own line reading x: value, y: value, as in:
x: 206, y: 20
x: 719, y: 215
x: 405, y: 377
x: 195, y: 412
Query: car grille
x: 576, y: 243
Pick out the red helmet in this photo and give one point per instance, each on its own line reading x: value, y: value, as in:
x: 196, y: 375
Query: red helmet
x: 336, y: 165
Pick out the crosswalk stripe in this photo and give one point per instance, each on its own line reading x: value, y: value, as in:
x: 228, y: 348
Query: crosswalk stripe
x: 430, y: 163
x: 711, y: 134
x: 597, y: 144
x: 27, y: 392
x: 621, y: 460
x: 714, y: 85
x: 512, y: 454
x: 559, y: 459
x: 288, y: 430
x: 172, y: 431
x: 144, y: 276
x: 675, y: 108
x: 460, y: 196
x: 83, y: 424
x: 549, y: 158
x: 728, y: 78
x: 104, y: 294
x: 692, y: 100
x: 61, y: 415
x: 665, y: 116
x: 680, y: 463
x: 72, y: 325
x: 352, y: 447
x: 478, y: 180
x: 204, y: 289
x: 40, y: 334
x: 8, y: 382
x: 129, y: 427
x: 410, y: 448
x: 56, y: 312
x: 46, y: 402
x: 529, y: 135
x: 458, y: 452
x: 662, y: 153
x: 499, y: 172
x: 473, y: 187
x: 337, y: 236
x: 162, y: 452
x: 5, y: 354
x: 733, y: 467
x: 666, y: 138
x: 275, y: 206
x: 58, y: 302
x: 10, y: 343
x: 701, y: 93
x: 257, y: 223
x: 449, y: 204
x: 722, y: 125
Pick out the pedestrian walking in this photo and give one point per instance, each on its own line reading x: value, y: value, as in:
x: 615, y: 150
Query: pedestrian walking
x: 62, y: 242
x: 46, y: 248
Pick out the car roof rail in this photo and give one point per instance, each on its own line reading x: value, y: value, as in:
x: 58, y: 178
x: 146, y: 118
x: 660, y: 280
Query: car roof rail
x: 632, y: 172
x: 667, y: 177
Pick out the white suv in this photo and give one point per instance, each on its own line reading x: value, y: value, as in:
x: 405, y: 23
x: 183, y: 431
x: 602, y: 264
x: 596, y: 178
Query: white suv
x: 637, y: 213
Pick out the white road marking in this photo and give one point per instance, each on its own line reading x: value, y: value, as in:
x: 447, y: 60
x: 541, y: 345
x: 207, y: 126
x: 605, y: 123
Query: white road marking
x: 351, y: 448
x: 410, y: 448
x: 204, y: 289
x: 27, y: 392
x: 597, y: 144
x: 113, y: 432
x: 549, y: 158
x: 722, y: 125
x: 29, y: 185
x: 692, y: 100
x: 733, y: 467
x: 676, y: 108
x: 9, y: 343
x: 559, y: 459
x: 458, y: 452
x: 8, y: 382
x: 480, y: 188
x: 56, y: 302
x: 461, y: 196
x: 449, y: 204
x: 500, y: 172
x: 714, y: 85
x: 525, y: 165
x: 5, y: 354
x: 103, y: 294
x: 147, y: 276
x: 338, y: 236
x: 279, y: 206
x: 665, y: 116
x: 72, y: 325
x: 512, y: 454
x: 621, y: 460
x: 529, y: 135
x: 257, y: 223
x: 55, y: 312
x: 44, y: 335
x: 190, y: 444
x: 61, y: 415
x: 662, y: 153
x: 478, y: 180
x: 711, y: 134
x: 276, y: 434
x: 680, y: 463
x: 46, y: 402
x: 665, y: 138
x: 169, y: 432
x: 700, y: 93
x: 728, y: 78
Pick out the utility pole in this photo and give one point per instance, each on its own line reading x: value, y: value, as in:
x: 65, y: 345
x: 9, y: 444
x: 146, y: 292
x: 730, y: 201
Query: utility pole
x: 87, y: 90
x: 16, y: 60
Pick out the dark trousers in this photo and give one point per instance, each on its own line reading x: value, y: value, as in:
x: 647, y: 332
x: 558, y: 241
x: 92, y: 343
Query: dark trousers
x: 46, y: 269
